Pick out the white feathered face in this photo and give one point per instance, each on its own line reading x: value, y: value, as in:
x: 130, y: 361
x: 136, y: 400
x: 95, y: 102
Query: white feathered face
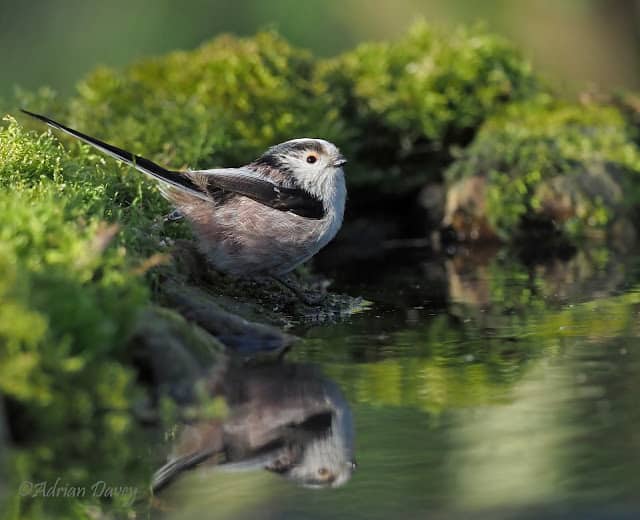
x: 316, y: 165
x: 312, y: 157
x: 306, y: 159
x: 312, y: 164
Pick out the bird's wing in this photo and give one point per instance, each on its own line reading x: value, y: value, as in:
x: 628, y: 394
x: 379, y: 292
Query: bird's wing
x: 247, y: 182
x: 206, y: 183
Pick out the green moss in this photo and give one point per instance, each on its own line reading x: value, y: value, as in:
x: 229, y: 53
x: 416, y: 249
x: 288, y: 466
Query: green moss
x: 408, y: 101
x: 576, y: 164
x: 395, y: 108
x: 69, y: 300
x: 221, y: 104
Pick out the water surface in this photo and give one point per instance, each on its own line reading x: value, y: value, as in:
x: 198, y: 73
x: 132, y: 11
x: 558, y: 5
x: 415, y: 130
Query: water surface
x: 479, y: 388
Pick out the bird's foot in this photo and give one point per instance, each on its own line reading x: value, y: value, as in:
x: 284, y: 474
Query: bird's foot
x: 302, y: 293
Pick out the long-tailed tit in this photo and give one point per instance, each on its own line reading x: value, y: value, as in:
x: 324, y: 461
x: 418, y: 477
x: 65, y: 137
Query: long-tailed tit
x: 261, y: 219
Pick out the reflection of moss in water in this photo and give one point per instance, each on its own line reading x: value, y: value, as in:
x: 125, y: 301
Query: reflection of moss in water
x: 604, y: 318
x: 437, y: 366
x: 477, y: 356
x: 421, y: 383
x: 78, y: 461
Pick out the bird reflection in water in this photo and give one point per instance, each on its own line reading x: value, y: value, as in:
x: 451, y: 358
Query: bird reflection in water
x: 285, y: 418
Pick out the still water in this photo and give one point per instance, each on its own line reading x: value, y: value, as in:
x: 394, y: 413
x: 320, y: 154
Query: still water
x: 475, y: 387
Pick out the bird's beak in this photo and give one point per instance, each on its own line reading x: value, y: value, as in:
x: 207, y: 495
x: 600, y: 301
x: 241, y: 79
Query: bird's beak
x: 340, y: 161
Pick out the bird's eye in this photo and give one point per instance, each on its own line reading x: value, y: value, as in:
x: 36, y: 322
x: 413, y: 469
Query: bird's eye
x: 323, y: 472
x: 311, y: 158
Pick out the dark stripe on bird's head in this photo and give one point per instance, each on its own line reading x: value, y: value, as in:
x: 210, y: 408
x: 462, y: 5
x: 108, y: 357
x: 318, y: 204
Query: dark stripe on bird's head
x: 297, y: 145
x: 270, y: 160
x: 274, y: 156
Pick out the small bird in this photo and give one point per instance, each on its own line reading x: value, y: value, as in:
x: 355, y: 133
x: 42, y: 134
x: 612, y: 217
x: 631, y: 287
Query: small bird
x: 259, y: 220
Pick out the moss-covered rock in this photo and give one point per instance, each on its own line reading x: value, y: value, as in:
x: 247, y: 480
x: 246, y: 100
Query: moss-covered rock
x: 570, y: 167
x: 404, y: 103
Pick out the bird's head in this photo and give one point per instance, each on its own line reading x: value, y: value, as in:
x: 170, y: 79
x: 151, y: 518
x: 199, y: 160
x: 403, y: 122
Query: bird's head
x: 311, y: 162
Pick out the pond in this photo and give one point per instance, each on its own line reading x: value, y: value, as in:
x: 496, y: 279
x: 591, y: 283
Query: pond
x: 479, y: 387
x: 475, y: 387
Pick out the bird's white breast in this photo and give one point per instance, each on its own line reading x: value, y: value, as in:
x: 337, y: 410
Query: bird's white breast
x: 335, y: 214
x: 332, y: 190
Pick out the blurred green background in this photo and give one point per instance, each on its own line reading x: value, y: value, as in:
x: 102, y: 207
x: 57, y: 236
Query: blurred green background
x: 574, y: 43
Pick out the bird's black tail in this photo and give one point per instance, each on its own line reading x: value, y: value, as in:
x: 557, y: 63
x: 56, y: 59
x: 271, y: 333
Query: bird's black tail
x: 156, y: 171
x: 167, y: 473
